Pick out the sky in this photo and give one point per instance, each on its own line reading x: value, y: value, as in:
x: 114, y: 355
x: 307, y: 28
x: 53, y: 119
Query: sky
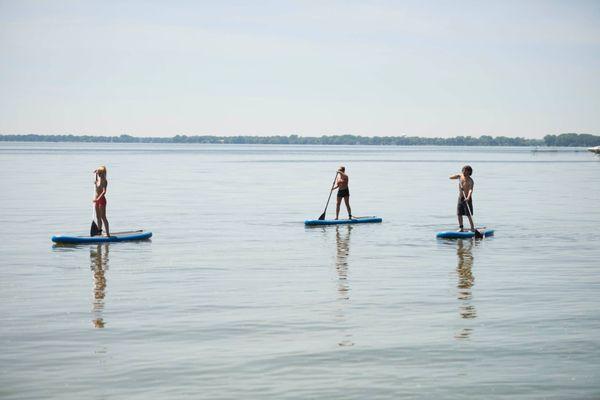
x: 374, y: 68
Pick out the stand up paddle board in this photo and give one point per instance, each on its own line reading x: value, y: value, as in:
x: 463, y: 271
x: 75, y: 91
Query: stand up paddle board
x: 463, y: 235
x: 355, y: 220
x: 115, y: 237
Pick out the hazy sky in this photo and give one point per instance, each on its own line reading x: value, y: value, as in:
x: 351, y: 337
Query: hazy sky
x: 160, y: 68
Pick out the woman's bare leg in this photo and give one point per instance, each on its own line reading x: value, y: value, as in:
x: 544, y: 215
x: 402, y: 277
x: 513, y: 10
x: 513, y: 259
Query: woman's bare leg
x: 103, y: 215
x: 337, y: 207
x: 347, y: 201
x: 98, y: 216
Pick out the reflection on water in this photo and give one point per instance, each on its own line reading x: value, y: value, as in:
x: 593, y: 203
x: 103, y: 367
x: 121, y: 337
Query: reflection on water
x: 341, y: 261
x: 99, y: 266
x: 466, y: 281
x: 342, y: 241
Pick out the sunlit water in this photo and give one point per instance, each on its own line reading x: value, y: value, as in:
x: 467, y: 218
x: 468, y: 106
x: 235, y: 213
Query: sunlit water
x: 234, y: 298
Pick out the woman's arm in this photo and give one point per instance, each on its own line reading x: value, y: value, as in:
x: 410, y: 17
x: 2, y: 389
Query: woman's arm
x: 339, y: 177
x: 455, y: 176
x: 102, y: 193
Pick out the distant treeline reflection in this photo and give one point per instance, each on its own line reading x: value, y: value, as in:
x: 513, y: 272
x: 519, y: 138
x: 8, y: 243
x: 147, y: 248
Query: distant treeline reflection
x: 562, y: 140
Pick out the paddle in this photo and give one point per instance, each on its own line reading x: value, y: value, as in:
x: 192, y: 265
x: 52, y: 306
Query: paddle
x: 322, y: 217
x: 94, y: 230
x: 478, y: 235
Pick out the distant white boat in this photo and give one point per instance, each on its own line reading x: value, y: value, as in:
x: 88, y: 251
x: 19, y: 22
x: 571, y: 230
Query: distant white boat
x: 595, y: 149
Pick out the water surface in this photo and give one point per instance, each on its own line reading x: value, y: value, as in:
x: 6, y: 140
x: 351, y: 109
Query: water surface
x: 234, y: 298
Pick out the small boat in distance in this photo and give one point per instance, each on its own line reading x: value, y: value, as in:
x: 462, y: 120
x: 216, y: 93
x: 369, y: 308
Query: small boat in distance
x: 595, y: 149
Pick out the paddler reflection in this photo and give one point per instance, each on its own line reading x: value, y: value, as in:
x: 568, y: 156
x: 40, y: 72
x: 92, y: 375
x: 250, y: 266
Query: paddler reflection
x: 99, y: 266
x: 342, y: 241
x: 466, y: 280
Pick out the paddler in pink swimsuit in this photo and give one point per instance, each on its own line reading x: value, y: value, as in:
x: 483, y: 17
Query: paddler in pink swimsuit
x: 100, y: 198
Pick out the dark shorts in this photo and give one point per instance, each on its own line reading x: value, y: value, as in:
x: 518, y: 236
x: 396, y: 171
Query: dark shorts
x: 343, y: 193
x: 461, y: 207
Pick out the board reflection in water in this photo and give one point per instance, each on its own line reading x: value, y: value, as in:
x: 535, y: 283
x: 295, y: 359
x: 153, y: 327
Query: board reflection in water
x: 342, y: 242
x: 99, y: 266
x: 466, y: 280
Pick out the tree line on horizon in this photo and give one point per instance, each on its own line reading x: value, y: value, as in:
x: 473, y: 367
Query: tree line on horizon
x: 561, y: 140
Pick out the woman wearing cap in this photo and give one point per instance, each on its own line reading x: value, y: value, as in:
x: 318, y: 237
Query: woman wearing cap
x: 343, y: 193
x: 100, y: 198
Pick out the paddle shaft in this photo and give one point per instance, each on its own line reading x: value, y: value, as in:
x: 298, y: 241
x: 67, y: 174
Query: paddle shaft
x: 94, y: 204
x: 462, y: 192
x: 94, y: 230
x: 322, y: 217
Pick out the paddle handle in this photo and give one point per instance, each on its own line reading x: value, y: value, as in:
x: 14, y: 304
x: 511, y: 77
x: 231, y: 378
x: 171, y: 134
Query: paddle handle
x: 330, y: 191
x: 94, y: 204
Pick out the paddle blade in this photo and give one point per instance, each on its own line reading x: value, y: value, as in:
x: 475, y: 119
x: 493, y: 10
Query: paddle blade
x: 478, y: 234
x: 322, y: 217
x: 94, y: 230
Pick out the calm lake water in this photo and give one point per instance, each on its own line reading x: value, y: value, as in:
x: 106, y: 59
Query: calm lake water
x: 233, y: 298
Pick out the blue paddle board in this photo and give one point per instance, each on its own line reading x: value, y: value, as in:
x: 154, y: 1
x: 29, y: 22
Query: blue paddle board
x: 463, y: 235
x: 355, y: 220
x: 115, y: 237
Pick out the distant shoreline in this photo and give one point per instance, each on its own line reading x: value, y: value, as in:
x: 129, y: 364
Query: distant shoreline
x: 561, y: 140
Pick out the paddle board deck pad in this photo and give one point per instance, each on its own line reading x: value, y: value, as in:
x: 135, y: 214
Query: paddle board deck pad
x: 115, y: 237
x: 464, y: 235
x: 355, y: 220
